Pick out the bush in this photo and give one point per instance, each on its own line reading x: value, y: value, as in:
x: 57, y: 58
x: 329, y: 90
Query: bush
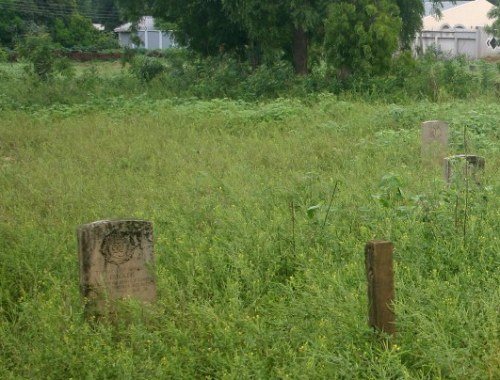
x: 219, y: 77
x: 269, y: 81
x: 78, y: 32
x: 146, y: 68
x: 4, y: 56
x: 40, y: 51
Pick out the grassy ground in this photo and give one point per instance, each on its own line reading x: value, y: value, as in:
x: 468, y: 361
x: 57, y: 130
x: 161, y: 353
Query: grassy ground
x: 259, y: 262
x: 105, y: 68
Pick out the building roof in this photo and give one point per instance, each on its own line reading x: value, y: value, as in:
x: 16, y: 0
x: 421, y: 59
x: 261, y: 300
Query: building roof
x: 430, y: 9
x: 468, y: 15
x: 145, y: 23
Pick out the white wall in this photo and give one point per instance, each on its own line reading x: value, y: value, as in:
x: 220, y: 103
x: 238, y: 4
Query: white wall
x: 150, y: 39
x: 473, y: 43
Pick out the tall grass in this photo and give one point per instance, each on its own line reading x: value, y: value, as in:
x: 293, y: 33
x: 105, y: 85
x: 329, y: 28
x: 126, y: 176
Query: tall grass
x: 181, y: 75
x: 259, y: 262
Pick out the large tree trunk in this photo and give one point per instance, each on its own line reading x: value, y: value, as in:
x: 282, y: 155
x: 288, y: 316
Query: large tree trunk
x: 299, y: 51
x: 255, y: 54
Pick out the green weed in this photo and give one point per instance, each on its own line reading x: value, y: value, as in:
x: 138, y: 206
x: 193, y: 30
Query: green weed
x: 261, y: 212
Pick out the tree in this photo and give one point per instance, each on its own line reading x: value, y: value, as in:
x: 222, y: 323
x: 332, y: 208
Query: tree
x: 105, y: 12
x: 46, y: 12
x: 77, y: 31
x: 39, y: 50
x: 203, y: 25
x: 361, y: 36
x: 256, y: 27
x: 286, y: 26
x: 283, y: 28
x: 495, y: 27
x: 20, y: 17
x: 263, y: 23
x: 411, y: 13
x: 11, y: 24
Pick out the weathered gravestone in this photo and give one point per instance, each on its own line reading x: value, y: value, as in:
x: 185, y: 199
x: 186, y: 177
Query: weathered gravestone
x: 465, y: 165
x: 116, y: 261
x: 380, y: 277
x: 434, y: 142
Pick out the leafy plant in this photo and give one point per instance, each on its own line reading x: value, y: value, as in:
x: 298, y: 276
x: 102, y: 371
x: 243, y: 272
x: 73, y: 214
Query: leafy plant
x: 360, y: 36
x: 40, y: 51
x: 146, y: 68
x: 259, y: 254
x: 3, y: 55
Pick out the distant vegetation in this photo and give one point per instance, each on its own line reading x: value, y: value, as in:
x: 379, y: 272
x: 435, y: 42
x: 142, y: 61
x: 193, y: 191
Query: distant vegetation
x: 181, y: 73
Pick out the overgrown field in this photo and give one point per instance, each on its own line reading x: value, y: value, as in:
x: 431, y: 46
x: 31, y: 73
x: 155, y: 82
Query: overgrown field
x: 261, y: 212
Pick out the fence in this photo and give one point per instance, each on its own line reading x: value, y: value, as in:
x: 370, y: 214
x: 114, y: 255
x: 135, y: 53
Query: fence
x: 473, y: 43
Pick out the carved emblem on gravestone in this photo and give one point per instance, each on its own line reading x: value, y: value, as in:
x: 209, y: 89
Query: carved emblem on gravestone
x: 118, y: 248
x: 436, y: 131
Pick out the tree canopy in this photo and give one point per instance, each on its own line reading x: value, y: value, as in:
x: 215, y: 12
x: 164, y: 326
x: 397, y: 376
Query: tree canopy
x: 68, y: 22
x: 495, y: 27
x: 261, y: 31
x: 361, y: 35
x: 266, y: 30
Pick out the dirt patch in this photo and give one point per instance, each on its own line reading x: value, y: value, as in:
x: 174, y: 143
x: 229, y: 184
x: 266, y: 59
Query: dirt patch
x: 493, y: 58
x: 92, y: 56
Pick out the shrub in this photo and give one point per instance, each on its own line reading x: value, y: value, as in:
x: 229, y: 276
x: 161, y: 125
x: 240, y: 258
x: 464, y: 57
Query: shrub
x: 40, y: 51
x: 4, y: 56
x: 78, y: 31
x: 269, y: 81
x: 146, y: 68
x: 360, y: 36
x: 219, y: 77
x: 456, y: 78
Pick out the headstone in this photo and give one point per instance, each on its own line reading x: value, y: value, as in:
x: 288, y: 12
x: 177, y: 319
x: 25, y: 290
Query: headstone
x: 434, y: 142
x: 380, y: 277
x: 468, y: 165
x: 116, y: 261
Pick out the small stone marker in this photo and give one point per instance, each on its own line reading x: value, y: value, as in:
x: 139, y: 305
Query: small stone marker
x: 116, y: 261
x: 380, y: 276
x: 434, y: 142
x: 470, y: 165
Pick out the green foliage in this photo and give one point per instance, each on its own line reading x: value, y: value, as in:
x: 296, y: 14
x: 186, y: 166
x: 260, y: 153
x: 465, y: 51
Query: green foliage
x: 106, y: 12
x: 39, y: 51
x: 11, y: 23
x: 4, y: 56
x: 180, y: 73
x: 411, y: 13
x: 265, y: 32
x: 197, y: 21
x: 361, y: 37
x: 495, y: 27
x: 69, y: 22
x: 259, y: 256
x: 78, y: 32
x: 269, y: 81
x: 146, y: 68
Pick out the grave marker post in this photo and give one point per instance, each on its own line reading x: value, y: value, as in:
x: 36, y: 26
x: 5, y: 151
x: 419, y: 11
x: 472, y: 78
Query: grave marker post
x: 380, y: 277
x: 469, y: 165
x: 434, y: 146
